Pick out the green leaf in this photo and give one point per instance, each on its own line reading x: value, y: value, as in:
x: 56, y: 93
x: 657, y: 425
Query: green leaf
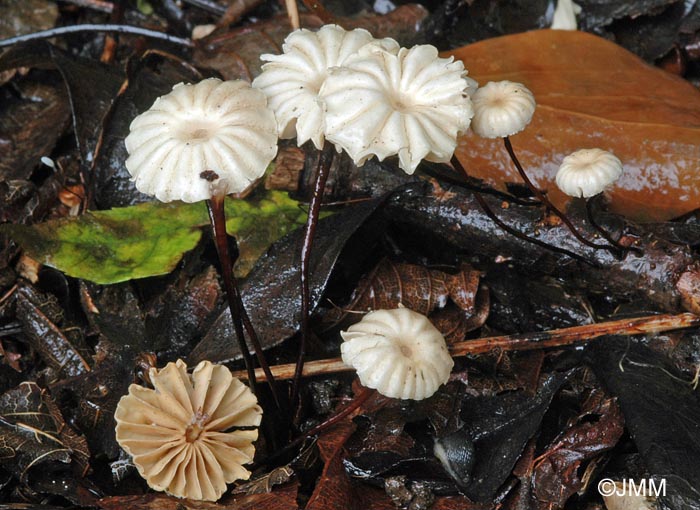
x: 150, y: 239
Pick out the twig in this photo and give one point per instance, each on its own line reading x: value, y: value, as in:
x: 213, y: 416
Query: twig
x: 525, y: 342
x: 74, y: 29
x: 293, y: 13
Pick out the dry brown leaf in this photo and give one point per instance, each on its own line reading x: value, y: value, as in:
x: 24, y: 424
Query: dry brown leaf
x: 453, y: 302
x: 592, y: 93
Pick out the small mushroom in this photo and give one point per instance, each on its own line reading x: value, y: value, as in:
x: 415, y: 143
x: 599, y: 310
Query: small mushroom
x: 587, y: 172
x: 178, y: 433
x: 202, y: 142
x: 564, y: 17
x: 222, y: 127
x: 412, y: 104
x: 397, y: 352
x: 501, y: 109
x: 292, y: 80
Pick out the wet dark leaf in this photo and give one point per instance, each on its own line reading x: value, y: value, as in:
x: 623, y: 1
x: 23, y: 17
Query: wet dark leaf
x: 30, y: 125
x: 521, y: 303
x: 662, y: 414
x: 596, y: 430
x: 90, y: 400
x: 500, y: 427
x: 273, y: 284
x: 183, y: 311
x: 596, y: 14
x: 47, y: 339
x: 665, y: 276
x: 91, y: 88
x: 32, y: 431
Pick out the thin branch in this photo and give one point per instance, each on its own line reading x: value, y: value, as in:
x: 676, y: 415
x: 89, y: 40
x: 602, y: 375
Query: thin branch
x: 524, y: 342
x: 74, y: 29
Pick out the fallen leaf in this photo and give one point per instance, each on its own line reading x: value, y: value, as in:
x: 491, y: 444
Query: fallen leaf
x: 454, y: 216
x: 26, y: 16
x: 596, y: 430
x: 662, y: 414
x: 273, y: 284
x: 46, y: 338
x: 149, y: 239
x: 29, y: 127
x: 428, y: 291
x: 32, y: 431
x: 592, y: 93
x: 236, y: 54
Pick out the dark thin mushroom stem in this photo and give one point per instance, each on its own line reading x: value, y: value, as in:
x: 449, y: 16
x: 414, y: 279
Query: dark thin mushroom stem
x: 362, y: 396
x: 73, y: 29
x: 217, y: 217
x: 489, y: 212
x: 325, y: 159
x: 543, y: 198
x: 591, y: 219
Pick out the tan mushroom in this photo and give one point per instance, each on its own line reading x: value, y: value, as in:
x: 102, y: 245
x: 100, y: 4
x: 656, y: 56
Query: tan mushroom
x: 179, y: 434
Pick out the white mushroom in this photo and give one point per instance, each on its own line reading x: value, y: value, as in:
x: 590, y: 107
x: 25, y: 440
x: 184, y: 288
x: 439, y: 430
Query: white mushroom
x: 292, y: 80
x: 397, y: 352
x: 223, y: 128
x: 412, y: 104
x: 501, y: 109
x: 587, y: 172
x: 177, y: 433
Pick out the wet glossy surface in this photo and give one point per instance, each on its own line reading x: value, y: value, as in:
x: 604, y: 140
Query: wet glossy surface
x: 592, y: 93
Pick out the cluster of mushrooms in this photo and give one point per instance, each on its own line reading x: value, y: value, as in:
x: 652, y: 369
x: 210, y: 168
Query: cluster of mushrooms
x: 342, y: 91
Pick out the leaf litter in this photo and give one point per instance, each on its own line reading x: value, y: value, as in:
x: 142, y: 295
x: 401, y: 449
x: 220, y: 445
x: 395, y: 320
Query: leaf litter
x: 524, y: 430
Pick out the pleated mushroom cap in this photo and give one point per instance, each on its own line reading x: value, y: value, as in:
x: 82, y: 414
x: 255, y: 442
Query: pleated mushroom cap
x: 214, y: 136
x: 292, y: 80
x: 502, y: 108
x: 397, y: 352
x: 587, y: 172
x: 178, y: 433
x: 412, y: 104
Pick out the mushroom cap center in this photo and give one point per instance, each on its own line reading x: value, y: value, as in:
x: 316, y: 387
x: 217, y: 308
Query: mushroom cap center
x: 400, y: 102
x: 197, y: 132
x: 406, y: 351
x: 196, y: 427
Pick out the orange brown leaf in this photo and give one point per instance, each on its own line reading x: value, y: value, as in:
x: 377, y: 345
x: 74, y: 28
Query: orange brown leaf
x: 592, y: 93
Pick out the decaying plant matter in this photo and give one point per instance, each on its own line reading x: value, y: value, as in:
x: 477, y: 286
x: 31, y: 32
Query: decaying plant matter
x: 442, y: 341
